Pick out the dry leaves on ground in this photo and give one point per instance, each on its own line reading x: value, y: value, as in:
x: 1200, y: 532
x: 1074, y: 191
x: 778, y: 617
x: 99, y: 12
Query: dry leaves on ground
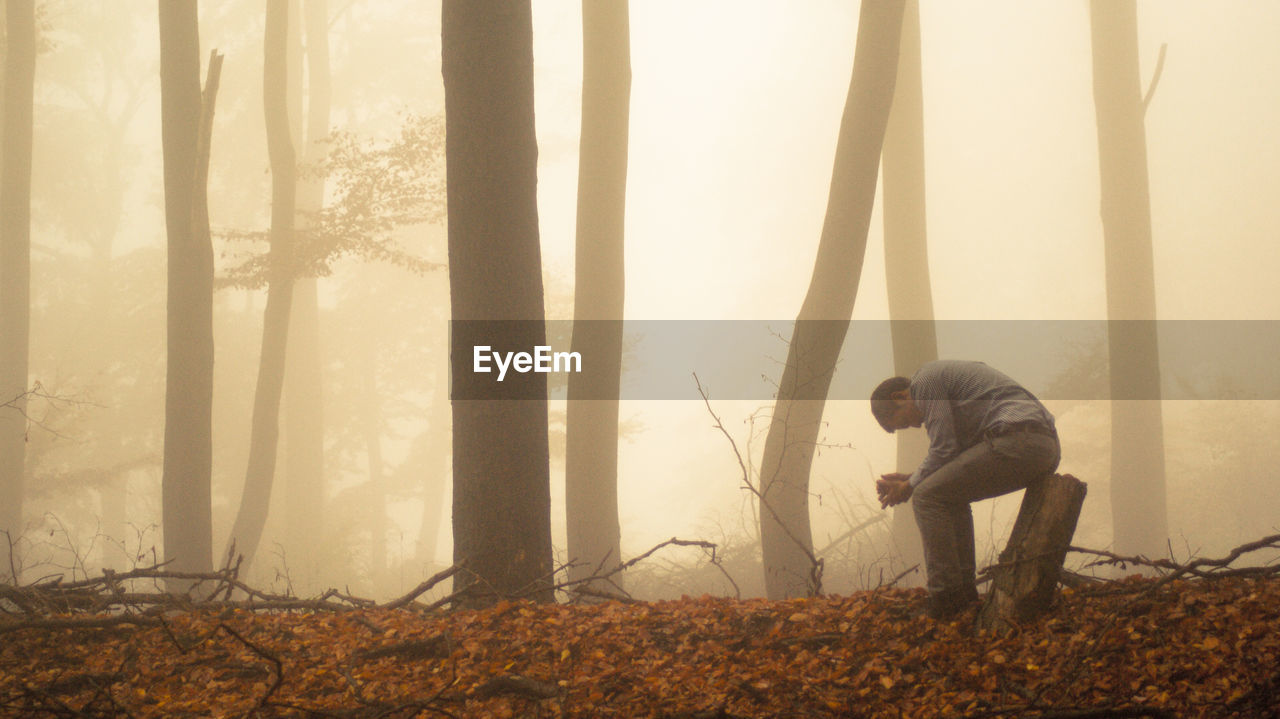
x: 1187, y: 649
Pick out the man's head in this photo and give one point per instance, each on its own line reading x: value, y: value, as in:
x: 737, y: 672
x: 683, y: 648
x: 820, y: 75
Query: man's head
x: 892, y: 406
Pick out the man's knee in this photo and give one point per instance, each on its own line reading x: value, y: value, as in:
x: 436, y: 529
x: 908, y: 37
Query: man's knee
x: 927, y: 504
x: 926, y: 495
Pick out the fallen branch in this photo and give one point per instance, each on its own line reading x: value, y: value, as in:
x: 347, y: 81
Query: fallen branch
x: 1075, y: 663
x: 32, y: 606
x: 1196, y: 567
x: 265, y: 655
x: 674, y: 541
x: 422, y: 588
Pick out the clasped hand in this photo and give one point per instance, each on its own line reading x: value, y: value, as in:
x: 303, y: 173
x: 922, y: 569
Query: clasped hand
x: 893, y: 489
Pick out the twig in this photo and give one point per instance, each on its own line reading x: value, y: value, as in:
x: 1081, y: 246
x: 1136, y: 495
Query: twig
x: 815, y: 563
x: 900, y: 576
x: 1155, y: 78
x: 1074, y: 663
x: 422, y: 588
x: 710, y: 546
x: 1217, y: 567
x: 265, y: 655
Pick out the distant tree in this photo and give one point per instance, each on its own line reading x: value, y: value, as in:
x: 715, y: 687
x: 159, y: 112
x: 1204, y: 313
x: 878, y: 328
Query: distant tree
x: 303, y: 406
x: 188, y: 437
x: 1138, y: 501
x: 378, y: 188
x: 246, y: 533
x: 591, y: 459
x: 95, y: 85
x: 15, y: 255
x: 791, y: 569
x: 501, y: 472
x: 906, y: 254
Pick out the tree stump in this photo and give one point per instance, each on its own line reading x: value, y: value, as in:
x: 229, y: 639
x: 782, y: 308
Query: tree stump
x: 1025, y: 579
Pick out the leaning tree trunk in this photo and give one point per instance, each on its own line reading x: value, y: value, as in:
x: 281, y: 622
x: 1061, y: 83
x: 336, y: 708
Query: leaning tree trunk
x: 15, y: 257
x: 906, y: 257
x: 591, y: 431
x: 187, y: 126
x: 501, y: 467
x: 791, y: 569
x: 1138, y: 505
x: 246, y: 533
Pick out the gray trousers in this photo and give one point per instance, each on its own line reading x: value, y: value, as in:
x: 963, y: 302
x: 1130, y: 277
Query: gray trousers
x: 941, y: 501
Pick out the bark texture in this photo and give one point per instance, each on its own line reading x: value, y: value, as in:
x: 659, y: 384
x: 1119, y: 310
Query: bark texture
x: 591, y: 462
x: 501, y: 471
x: 790, y: 566
x: 1138, y: 503
x: 186, y: 130
x: 1025, y: 580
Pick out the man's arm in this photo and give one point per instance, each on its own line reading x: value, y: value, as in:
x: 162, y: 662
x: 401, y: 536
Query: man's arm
x: 931, y: 397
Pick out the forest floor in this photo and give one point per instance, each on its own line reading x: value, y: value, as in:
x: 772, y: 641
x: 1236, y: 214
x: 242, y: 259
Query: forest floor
x: 1185, y: 648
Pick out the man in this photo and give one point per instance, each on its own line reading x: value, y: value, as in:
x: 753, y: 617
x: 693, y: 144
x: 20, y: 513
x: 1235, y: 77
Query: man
x: 987, y: 436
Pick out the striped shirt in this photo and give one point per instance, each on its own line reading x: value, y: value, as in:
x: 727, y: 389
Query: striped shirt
x: 962, y: 401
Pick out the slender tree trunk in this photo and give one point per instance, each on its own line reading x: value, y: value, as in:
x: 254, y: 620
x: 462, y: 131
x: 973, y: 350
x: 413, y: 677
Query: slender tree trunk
x: 501, y: 469
x: 1138, y: 505
x: 906, y: 256
x: 15, y: 257
x: 303, y: 392
x: 188, y: 428
x: 790, y: 566
x: 246, y: 533
x: 591, y: 444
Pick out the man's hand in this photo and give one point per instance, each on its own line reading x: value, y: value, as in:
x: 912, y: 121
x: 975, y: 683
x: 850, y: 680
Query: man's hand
x: 893, y: 489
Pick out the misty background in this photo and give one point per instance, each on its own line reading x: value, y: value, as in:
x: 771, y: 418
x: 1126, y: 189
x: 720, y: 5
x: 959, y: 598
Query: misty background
x: 734, y: 114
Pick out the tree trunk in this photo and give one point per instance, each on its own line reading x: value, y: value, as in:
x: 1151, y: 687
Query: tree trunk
x: 15, y: 257
x: 3, y: 55
x: 303, y: 391
x: 790, y: 566
x: 188, y: 428
x: 501, y: 467
x: 1025, y: 580
x: 591, y: 425
x: 1138, y: 505
x: 246, y: 533
x: 906, y: 258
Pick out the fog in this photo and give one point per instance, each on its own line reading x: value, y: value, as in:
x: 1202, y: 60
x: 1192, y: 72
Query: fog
x: 734, y: 113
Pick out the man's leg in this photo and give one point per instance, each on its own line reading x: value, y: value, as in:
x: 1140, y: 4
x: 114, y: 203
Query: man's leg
x: 966, y: 551
x: 941, y: 502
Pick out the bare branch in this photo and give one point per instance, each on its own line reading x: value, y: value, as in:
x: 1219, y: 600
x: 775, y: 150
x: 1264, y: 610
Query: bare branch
x: 1155, y: 78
